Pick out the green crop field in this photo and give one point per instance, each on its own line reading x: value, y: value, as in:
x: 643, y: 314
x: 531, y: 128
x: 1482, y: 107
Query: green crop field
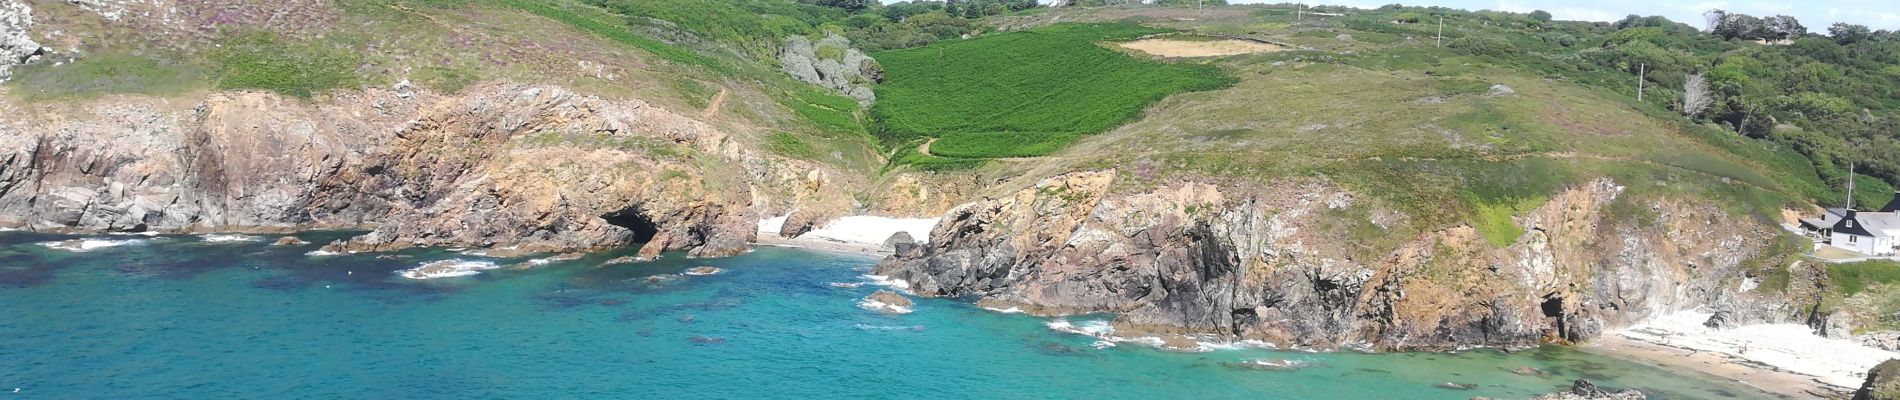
x: 1056, y: 82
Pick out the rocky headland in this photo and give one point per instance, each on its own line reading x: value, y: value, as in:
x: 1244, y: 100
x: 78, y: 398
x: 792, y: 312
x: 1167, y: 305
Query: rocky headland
x: 1259, y: 263
x: 530, y: 167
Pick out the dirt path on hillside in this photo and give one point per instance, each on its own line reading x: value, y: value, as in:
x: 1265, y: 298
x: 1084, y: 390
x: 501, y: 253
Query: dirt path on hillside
x: 925, y: 148
x: 719, y: 100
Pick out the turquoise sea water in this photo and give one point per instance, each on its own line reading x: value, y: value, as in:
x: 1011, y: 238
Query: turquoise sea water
x: 177, y: 317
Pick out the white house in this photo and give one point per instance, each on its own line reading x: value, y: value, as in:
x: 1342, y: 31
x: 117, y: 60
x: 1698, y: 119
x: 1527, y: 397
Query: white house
x: 1874, y: 233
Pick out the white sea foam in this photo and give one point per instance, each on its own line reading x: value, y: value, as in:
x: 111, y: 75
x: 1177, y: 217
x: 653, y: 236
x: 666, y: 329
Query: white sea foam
x: 702, y: 271
x: 1011, y: 310
x: 1236, y: 345
x: 847, y: 285
x: 1280, y: 364
x: 447, y: 268
x: 224, y: 238
x: 888, y: 327
x: 1095, y: 328
x: 1104, y: 333
x: 885, y: 281
x: 882, y: 307
x: 83, y: 245
x: 141, y: 233
x: 1791, y: 347
x: 321, y: 253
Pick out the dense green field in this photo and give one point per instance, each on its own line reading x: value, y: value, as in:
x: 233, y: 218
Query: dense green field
x: 1049, y: 84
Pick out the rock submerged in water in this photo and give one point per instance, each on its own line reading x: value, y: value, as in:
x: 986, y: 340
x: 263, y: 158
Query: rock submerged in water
x: 1584, y: 390
x: 703, y: 270
x: 887, y: 302
x: 1457, y: 386
x: 1277, y: 364
x: 290, y: 241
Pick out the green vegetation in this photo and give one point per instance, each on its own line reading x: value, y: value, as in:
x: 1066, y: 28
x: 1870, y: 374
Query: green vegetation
x: 789, y: 145
x: 1051, y: 82
x: 1493, y: 220
x: 577, y: 16
x: 1000, y: 144
x: 105, y: 73
x: 262, y: 61
x: 1852, y: 278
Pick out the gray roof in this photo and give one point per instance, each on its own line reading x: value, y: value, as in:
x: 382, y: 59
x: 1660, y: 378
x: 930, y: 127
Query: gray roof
x: 1874, y: 224
x: 1827, y: 219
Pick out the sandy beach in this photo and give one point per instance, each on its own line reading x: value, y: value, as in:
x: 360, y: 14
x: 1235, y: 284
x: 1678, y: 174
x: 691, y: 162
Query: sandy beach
x: 1787, y: 360
x: 1774, y: 381
x: 860, y: 234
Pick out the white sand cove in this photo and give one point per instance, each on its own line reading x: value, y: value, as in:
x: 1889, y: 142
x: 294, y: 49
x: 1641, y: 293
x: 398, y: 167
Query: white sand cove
x: 1791, y: 347
x: 859, y: 229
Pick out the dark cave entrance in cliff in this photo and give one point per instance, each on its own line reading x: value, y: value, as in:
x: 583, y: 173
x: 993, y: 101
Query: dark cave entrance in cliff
x: 634, y: 220
x: 1553, y: 308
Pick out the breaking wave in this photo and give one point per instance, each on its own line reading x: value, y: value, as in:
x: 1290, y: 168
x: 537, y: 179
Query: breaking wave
x: 83, y: 245
x: 447, y: 269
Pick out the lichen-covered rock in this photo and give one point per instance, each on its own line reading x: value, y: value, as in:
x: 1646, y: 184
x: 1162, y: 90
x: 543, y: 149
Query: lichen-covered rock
x: 1259, y: 263
x: 1883, y: 382
x: 832, y: 63
x: 16, y: 46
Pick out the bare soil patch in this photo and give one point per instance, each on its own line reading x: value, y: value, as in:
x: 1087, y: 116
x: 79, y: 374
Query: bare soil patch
x: 1198, y: 48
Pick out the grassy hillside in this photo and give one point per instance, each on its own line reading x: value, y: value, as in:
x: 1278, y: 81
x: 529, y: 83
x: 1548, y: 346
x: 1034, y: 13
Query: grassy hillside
x: 1025, y: 93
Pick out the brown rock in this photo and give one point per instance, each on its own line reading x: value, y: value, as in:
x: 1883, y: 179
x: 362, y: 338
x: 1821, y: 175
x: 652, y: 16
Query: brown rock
x: 1258, y: 262
x: 289, y: 241
x: 888, y: 301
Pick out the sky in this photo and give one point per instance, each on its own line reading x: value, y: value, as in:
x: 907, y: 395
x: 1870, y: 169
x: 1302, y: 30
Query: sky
x: 1815, y: 14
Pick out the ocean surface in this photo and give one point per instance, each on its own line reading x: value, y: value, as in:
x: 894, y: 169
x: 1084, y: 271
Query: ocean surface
x: 130, y: 317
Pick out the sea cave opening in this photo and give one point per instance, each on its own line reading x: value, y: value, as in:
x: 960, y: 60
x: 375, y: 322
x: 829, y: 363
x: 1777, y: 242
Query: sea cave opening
x: 636, y: 221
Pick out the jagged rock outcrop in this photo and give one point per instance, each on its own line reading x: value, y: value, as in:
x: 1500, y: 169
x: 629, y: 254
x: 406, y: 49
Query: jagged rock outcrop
x: 834, y: 64
x: 1260, y: 263
x: 1883, y: 382
x: 16, y: 47
x: 535, y: 168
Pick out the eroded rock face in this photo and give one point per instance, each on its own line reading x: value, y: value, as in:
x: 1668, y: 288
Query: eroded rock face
x: 1257, y: 263
x: 536, y: 168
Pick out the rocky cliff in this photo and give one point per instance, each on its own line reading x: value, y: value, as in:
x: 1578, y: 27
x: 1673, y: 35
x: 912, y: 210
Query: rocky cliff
x: 1261, y: 262
x: 534, y: 168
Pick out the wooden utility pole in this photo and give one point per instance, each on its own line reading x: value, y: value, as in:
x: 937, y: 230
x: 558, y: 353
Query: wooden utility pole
x: 1850, y: 186
x: 1441, y: 31
x: 1641, y: 69
x: 1299, y: 11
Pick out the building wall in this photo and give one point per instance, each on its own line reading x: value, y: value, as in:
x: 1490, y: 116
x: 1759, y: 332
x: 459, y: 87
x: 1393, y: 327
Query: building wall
x: 1864, y: 245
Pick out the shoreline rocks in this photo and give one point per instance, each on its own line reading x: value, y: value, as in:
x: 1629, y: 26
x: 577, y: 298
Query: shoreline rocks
x: 1254, y: 263
x: 1883, y: 382
x: 885, y: 301
x: 533, y: 167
